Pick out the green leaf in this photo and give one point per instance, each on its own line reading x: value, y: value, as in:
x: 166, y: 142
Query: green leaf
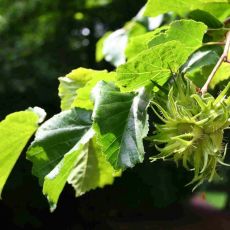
x: 84, y: 166
x: 139, y: 43
x: 188, y: 32
x: 121, y: 122
x: 169, y: 51
x: 220, y: 8
x: 99, y: 47
x: 83, y: 98
x: 64, y: 150
x: 70, y: 83
x: 201, y: 63
x: 75, y: 87
x: 55, y: 181
x: 156, y: 7
x: 199, y: 75
x: 154, y: 64
x: 55, y: 138
x: 205, y: 17
x: 204, y: 56
x: 15, y: 131
x: 91, y: 170
x: 67, y: 91
x: 222, y: 74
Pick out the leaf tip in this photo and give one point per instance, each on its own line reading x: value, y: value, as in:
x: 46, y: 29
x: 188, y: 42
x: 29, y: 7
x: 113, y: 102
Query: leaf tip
x: 39, y: 112
x: 52, y: 204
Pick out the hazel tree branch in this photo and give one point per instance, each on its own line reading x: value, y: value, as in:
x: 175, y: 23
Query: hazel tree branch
x: 223, y: 58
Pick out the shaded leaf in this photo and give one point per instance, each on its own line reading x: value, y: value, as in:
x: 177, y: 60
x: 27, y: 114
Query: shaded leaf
x: 121, y: 123
x: 208, y: 19
x: 204, y: 56
x: 55, y: 138
x: 201, y: 63
x: 55, y: 181
x: 83, y: 166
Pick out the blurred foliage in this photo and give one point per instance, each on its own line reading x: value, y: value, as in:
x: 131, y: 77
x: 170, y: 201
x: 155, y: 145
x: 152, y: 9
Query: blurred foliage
x: 43, y: 40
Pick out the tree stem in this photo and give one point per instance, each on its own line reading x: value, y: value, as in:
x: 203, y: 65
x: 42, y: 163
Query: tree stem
x: 226, y: 21
x: 223, y: 58
x: 214, y: 43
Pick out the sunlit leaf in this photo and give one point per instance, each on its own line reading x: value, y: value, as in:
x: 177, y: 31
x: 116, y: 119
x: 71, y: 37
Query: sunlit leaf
x: 188, y: 32
x: 222, y: 74
x: 220, y: 8
x: 75, y: 87
x: 139, y: 43
x: 15, y: 131
x: 155, y: 64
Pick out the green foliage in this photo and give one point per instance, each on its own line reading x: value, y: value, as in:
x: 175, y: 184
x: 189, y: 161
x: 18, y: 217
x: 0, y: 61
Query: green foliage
x: 105, y: 116
x: 222, y: 74
x: 155, y: 64
x: 15, y: 131
x: 121, y: 123
x: 204, y: 56
x: 83, y: 166
x: 75, y: 88
x: 55, y: 138
x: 188, y: 32
x: 65, y: 149
x: 219, y: 8
x: 91, y: 169
x: 139, y: 43
x: 202, y: 16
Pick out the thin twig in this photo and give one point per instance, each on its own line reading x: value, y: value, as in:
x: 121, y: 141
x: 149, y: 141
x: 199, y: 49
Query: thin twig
x: 223, y: 58
x: 219, y: 29
x: 214, y: 43
x: 226, y: 21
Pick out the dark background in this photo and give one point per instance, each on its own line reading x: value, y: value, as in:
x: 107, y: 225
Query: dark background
x: 39, y: 42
